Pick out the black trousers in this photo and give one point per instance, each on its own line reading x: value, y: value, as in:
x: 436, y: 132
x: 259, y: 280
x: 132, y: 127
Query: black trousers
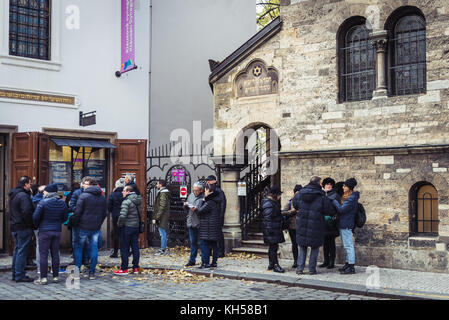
x: 116, y: 234
x: 273, y: 254
x: 292, y: 234
x: 329, y: 249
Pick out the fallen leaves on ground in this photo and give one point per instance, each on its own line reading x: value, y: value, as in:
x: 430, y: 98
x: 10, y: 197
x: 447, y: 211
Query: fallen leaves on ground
x: 151, y: 275
x: 242, y: 256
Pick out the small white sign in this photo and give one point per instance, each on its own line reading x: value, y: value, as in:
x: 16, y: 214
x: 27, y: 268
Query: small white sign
x: 241, y: 187
x: 183, y: 192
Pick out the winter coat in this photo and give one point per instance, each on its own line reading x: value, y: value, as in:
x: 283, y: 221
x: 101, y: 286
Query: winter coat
x: 50, y: 213
x: 209, y: 212
x: 332, y: 224
x: 131, y: 211
x: 222, y: 198
x: 37, y: 198
x: 162, y: 208
x: 74, y: 199
x: 348, y: 210
x: 272, y: 221
x: 115, y: 202
x: 21, y: 209
x: 291, y: 217
x: 91, y: 210
x: 312, y: 205
x: 193, y: 221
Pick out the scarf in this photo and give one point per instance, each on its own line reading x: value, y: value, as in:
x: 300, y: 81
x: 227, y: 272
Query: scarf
x: 346, y: 195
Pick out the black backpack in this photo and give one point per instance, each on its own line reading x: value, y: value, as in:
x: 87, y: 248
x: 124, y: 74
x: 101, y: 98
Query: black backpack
x: 360, y: 217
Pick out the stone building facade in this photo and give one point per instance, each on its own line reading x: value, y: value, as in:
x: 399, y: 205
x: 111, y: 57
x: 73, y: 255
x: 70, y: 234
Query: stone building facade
x: 395, y: 143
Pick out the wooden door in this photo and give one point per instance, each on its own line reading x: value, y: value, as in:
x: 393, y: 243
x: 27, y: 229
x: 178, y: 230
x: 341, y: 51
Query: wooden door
x: 131, y: 157
x: 30, y: 157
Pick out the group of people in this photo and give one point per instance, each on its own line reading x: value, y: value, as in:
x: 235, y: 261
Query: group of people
x: 314, y: 217
x: 43, y: 213
x: 205, y: 218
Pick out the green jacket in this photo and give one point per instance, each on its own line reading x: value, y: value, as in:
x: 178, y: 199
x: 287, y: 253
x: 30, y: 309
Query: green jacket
x: 162, y: 208
x: 129, y: 212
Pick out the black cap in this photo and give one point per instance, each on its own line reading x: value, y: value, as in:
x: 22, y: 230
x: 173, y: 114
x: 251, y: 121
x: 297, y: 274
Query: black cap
x: 275, y: 191
x: 351, y: 183
x: 51, y: 188
x: 211, y: 178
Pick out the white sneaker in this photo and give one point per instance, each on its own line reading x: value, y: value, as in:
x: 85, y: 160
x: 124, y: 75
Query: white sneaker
x: 55, y: 280
x: 42, y: 281
x: 160, y: 253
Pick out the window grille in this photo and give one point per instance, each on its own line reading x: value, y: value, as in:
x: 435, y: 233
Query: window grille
x: 408, y: 56
x: 359, y: 70
x: 29, y: 28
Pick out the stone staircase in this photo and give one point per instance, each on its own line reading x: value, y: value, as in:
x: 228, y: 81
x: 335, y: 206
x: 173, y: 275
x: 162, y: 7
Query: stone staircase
x: 254, y: 245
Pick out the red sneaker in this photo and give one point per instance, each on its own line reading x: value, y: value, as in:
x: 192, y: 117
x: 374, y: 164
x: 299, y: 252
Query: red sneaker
x: 121, y: 272
x: 135, y: 270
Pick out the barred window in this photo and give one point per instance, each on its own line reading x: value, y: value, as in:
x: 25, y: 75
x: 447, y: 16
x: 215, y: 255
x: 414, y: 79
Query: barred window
x: 408, y: 56
x: 29, y: 28
x: 358, y: 68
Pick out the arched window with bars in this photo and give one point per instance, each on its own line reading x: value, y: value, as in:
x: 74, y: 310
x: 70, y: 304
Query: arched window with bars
x: 407, y: 52
x: 357, y: 67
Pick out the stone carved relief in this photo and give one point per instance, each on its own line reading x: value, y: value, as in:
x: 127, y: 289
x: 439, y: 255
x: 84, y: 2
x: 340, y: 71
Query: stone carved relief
x: 256, y: 80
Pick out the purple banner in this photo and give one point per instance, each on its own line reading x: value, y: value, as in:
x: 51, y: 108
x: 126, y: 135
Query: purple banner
x: 128, y: 36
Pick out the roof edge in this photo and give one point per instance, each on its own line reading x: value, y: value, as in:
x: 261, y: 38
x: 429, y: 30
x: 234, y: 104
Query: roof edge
x: 244, y: 50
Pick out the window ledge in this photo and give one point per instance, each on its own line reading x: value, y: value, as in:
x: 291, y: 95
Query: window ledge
x: 30, y: 63
x: 423, y: 242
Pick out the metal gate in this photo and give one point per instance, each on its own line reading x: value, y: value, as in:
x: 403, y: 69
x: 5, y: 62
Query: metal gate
x: 176, y: 175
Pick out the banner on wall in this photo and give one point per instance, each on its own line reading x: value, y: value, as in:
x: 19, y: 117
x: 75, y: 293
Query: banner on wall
x: 128, y: 38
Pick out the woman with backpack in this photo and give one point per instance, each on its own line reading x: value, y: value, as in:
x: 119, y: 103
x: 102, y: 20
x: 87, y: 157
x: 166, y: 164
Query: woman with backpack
x: 347, y: 210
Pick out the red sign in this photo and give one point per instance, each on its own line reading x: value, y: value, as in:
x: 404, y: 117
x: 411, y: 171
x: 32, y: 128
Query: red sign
x: 183, y: 192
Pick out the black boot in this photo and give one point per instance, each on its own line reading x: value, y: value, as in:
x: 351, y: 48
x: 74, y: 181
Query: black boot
x: 331, y: 265
x: 324, y: 265
x: 344, y: 267
x: 270, y: 267
x: 349, y: 270
x: 277, y: 268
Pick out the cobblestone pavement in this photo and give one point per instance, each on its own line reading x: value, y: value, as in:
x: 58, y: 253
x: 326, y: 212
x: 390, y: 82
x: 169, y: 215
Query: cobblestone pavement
x: 411, y: 283
x: 160, y: 286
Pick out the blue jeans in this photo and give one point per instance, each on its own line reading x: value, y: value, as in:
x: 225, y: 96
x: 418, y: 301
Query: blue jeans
x: 85, y: 260
x: 348, y: 245
x: 92, y: 237
x: 312, y: 259
x: 193, y: 236
x: 22, y: 245
x: 129, y: 237
x: 163, y: 234
x: 206, y: 246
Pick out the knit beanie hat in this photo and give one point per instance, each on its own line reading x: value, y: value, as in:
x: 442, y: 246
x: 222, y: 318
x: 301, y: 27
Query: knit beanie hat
x: 51, y: 188
x: 351, y: 183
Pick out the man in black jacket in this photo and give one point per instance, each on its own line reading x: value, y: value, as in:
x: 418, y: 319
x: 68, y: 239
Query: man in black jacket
x: 21, y: 209
x: 90, y: 212
x: 212, y: 180
x: 312, y: 204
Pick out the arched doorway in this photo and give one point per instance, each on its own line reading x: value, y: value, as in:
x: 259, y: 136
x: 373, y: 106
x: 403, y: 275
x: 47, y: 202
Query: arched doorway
x: 424, y: 209
x: 257, y: 144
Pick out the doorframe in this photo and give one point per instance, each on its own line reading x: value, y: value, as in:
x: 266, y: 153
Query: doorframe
x: 8, y: 130
x: 85, y: 134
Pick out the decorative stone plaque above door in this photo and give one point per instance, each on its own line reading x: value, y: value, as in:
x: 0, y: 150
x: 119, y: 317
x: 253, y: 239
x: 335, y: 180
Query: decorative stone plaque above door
x: 257, y: 79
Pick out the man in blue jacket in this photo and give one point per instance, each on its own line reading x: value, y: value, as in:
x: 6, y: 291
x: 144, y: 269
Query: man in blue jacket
x: 90, y: 212
x: 49, y: 216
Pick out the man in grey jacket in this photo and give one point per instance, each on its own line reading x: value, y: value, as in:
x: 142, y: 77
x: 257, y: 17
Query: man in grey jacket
x: 129, y: 220
x: 193, y: 221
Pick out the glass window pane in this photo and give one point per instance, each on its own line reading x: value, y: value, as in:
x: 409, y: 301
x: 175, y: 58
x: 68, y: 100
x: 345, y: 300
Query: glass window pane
x: 31, y: 20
